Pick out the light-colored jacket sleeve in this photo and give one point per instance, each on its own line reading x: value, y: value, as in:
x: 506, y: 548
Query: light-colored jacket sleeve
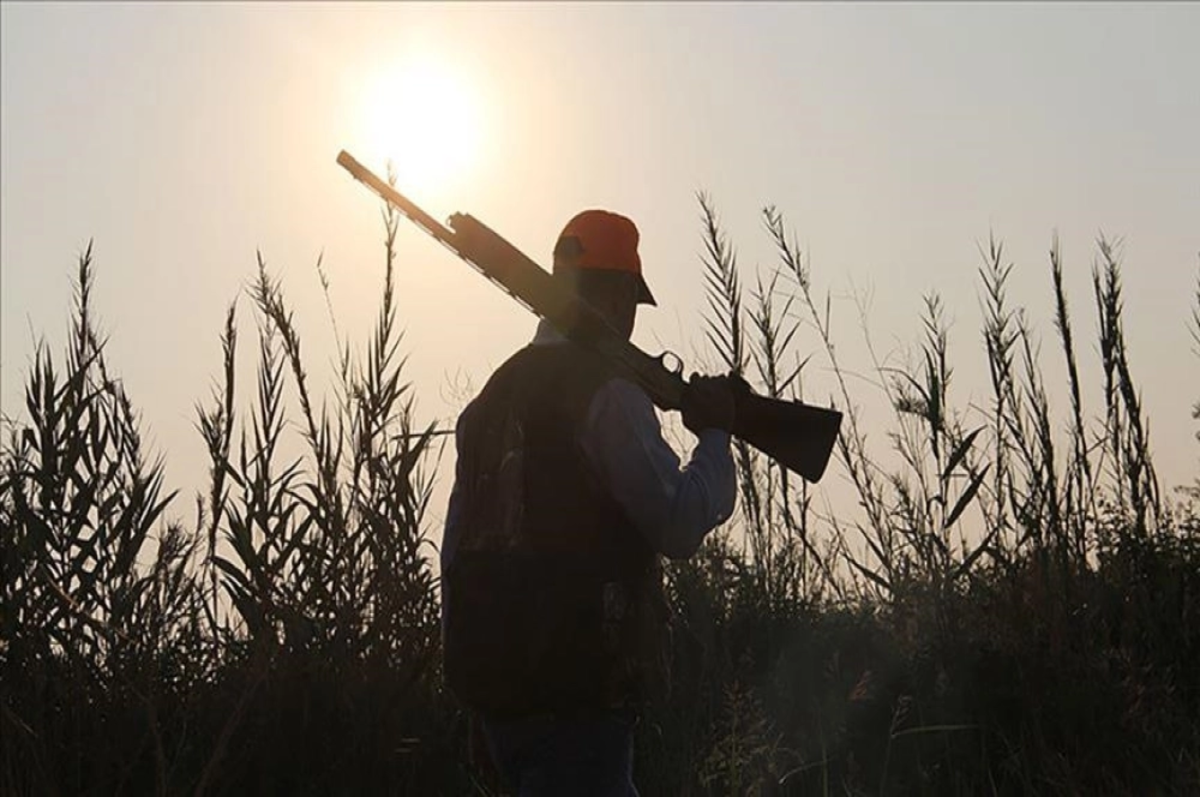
x: 673, y: 506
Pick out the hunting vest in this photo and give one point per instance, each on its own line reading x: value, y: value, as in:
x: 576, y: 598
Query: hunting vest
x: 553, y: 600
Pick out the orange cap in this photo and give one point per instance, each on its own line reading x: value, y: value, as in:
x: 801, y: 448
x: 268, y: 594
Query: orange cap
x: 598, y: 239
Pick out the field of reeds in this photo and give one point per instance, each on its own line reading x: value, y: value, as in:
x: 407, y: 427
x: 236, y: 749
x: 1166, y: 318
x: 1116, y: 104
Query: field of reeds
x: 1011, y: 607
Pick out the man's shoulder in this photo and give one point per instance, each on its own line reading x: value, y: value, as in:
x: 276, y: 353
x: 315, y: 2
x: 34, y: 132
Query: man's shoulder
x: 625, y: 391
x: 563, y: 367
x: 620, y: 401
x: 560, y: 372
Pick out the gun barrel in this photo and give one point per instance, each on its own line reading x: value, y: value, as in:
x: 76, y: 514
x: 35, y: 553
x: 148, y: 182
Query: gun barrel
x: 397, y: 200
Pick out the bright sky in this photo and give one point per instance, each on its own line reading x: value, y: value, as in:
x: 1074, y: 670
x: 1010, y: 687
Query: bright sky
x: 894, y: 138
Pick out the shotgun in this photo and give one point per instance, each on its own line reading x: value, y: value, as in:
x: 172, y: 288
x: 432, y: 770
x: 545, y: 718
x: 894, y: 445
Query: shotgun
x: 798, y: 436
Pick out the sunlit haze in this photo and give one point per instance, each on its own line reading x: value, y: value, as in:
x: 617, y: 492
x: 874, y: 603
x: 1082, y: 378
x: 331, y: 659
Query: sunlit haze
x: 421, y: 116
x: 895, y: 139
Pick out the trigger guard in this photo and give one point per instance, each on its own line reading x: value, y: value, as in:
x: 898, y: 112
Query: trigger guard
x: 667, y: 363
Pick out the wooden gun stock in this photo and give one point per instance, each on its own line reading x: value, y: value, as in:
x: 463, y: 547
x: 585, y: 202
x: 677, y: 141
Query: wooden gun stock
x: 799, y: 436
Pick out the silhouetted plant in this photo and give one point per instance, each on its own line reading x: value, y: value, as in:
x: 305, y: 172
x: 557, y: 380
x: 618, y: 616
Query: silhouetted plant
x: 98, y: 614
x: 1000, y: 659
x: 223, y: 657
x: 1010, y: 607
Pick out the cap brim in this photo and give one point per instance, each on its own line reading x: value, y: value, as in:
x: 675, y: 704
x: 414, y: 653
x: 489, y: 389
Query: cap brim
x: 644, y: 294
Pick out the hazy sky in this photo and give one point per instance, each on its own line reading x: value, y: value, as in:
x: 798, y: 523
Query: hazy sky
x: 893, y: 137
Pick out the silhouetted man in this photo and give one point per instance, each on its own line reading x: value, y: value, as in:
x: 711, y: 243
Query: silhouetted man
x: 565, y: 498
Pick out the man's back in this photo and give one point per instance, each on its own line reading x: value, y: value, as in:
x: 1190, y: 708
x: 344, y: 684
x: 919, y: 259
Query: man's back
x: 549, y: 588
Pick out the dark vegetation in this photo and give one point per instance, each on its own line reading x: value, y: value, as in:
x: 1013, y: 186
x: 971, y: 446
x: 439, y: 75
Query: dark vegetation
x: 1013, y: 607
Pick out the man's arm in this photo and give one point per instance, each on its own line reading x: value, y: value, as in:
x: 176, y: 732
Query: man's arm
x: 673, y: 507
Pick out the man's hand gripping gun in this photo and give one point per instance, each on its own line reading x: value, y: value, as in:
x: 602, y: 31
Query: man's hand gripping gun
x: 799, y: 436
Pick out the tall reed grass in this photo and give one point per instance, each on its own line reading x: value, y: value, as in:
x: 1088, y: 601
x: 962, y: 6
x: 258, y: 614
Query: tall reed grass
x: 1012, y: 606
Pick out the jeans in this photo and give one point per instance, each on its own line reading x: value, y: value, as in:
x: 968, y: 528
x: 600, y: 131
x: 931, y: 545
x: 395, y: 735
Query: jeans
x: 590, y: 755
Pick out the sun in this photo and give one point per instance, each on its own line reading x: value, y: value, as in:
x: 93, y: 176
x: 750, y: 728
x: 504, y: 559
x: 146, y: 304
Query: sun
x: 422, y: 117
